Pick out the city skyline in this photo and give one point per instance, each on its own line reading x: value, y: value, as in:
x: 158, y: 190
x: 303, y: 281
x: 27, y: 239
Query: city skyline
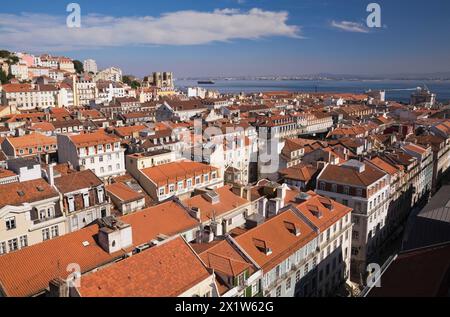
x: 237, y: 38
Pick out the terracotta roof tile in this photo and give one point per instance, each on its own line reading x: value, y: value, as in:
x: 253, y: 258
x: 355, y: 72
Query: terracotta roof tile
x: 167, y: 270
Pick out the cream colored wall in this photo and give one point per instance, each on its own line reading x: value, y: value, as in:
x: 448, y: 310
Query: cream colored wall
x: 201, y: 289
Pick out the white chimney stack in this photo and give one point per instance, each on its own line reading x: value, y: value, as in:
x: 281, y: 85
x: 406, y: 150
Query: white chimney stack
x: 51, y: 174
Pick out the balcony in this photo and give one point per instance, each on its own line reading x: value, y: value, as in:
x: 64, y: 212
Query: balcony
x: 43, y: 220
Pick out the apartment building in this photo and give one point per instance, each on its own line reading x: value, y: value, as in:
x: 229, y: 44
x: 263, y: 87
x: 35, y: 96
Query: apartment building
x: 230, y: 151
x: 30, y: 213
x: 424, y: 155
x: 441, y: 155
x: 84, y: 198
x: 179, y: 179
x: 97, y: 151
x: 108, y: 90
x: 138, y: 161
x: 151, y: 274
x: 236, y: 274
x: 109, y: 74
x: 30, y: 145
x: 94, y: 248
x: 219, y: 211
x: 90, y: 66
x: 31, y: 96
x: 20, y: 71
x: 176, y: 110
x: 125, y: 198
x: 84, y: 90
x: 366, y: 190
x: 315, y: 122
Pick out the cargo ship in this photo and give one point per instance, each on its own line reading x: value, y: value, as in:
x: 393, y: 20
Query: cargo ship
x: 205, y: 82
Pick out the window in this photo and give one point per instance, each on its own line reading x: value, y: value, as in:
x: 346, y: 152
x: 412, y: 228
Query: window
x: 297, y: 276
x: 46, y: 234
x: 55, y: 231
x: 100, y: 158
x: 255, y: 288
x: 214, y: 175
x: 13, y: 245
x: 2, y: 247
x: 206, y: 177
x: 288, y: 284
x: 75, y: 222
x: 171, y: 188
x: 92, y: 160
x: 23, y: 241
x: 345, y: 202
x: 71, y: 202
x: 118, y: 166
x: 278, y: 291
x: 355, y: 235
x: 334, y: 188
x: 161, y: 191
x: 197, y: 180
x: 180, y: 185
x: 10, y: 223
x: 86, y: 200
x: 346, y: 190
x: 359, y: 192
x: 189, y: 183
x: 306, y: 268
x: 322, y: 186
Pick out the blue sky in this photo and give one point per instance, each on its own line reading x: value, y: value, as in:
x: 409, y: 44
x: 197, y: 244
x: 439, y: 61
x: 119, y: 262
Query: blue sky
x: 237, y: 37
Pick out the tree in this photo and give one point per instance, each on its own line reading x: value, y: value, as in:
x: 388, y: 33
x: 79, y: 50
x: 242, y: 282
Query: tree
x: 78, y: 66
x: 4, y: 79
x: 13, y: 60
x: 4, y: 54
x: 135, y: 84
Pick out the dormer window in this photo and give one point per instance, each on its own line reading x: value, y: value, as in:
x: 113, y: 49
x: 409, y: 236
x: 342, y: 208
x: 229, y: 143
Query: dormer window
x: 292, y: 228
x: 100, y: 194
x: 71, y: 203
x: 315, y: 211
x: 262, y: 246
x: 86, y: 200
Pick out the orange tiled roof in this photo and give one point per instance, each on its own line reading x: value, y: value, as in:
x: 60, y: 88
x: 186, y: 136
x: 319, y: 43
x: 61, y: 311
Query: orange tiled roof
x: 77, y: 181
x: 15, y: 194
x: 224, y: 258
x: 328, y: 217
x: 175, y: 171
x: 129, y: 131
x: 31, y: 141
x: 123, y: 192
x: 385, y: 166
x: 228, y: 201
x: 92, y: 139
x: 28, y: 271
x: 349, y: 176
x: 167, y: 270
x: 274, y: 234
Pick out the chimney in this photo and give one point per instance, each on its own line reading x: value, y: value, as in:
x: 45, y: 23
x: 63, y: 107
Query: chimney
x: 281, y: 192
x: 114, y: 235
x: 51, y: 174
x: 58, y: 288
x: 196, y: 213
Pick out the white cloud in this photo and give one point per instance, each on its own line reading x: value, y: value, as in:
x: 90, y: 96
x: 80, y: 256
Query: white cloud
x: 350, y: 26
x: 46, y: 32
